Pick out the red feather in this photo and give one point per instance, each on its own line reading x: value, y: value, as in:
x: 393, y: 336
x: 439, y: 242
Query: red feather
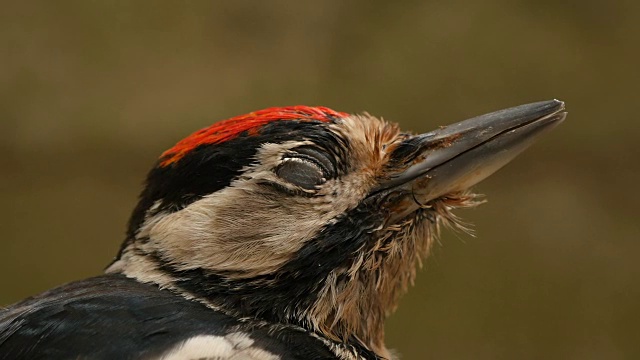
x: 228, y: 129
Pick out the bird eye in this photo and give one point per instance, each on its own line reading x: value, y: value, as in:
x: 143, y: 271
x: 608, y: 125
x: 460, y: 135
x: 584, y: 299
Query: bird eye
x: 302, y: 172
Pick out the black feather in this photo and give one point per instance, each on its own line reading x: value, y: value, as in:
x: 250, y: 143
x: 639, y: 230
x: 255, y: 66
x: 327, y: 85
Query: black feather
x: 114, y: 317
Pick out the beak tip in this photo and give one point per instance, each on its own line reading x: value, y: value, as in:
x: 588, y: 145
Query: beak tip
x: 560, y: 103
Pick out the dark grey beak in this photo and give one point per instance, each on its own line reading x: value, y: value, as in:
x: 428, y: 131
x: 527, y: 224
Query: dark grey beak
x: 460, y: 155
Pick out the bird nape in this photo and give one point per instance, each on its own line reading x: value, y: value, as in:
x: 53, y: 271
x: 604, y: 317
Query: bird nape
x: 286, y: 233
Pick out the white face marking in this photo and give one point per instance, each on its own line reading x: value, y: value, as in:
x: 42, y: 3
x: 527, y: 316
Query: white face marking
x: 229, y: 347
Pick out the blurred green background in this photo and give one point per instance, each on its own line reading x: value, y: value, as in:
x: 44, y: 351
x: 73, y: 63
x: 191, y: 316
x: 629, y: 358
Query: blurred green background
x: 93, y: 91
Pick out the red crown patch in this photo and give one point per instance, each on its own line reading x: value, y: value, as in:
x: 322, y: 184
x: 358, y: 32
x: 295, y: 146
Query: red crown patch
x: 228, y: 129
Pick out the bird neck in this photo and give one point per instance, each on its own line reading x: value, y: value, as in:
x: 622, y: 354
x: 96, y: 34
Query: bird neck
x: 349, y: 306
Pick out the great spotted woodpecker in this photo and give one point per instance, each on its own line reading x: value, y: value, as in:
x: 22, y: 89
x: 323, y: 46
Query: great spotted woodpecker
x: 286, y: 233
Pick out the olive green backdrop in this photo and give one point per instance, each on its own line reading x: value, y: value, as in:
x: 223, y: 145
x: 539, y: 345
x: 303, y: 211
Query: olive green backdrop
x: 93, y: 91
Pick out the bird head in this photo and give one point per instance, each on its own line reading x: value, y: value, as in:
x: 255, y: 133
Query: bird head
x: 312, y: 217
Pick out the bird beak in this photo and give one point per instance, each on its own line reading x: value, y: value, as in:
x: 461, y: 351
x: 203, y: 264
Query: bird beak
x: 458, y: 156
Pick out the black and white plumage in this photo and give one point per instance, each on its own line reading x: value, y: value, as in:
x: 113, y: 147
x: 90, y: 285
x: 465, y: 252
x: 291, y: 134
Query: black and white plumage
x: 115, y: 317
x: 287, y: 233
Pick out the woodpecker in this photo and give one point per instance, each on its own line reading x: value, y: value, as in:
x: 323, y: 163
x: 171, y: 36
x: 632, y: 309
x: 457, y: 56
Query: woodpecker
x: 286, y: 233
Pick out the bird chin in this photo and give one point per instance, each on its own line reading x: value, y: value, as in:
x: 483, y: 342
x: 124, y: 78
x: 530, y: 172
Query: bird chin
x: 410, y: 208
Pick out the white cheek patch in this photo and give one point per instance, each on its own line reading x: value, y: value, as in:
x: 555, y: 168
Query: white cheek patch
x: 234, y: 346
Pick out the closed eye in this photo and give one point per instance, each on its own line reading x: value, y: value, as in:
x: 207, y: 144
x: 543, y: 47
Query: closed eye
x: 301, y: 171
x: 319, y: 157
